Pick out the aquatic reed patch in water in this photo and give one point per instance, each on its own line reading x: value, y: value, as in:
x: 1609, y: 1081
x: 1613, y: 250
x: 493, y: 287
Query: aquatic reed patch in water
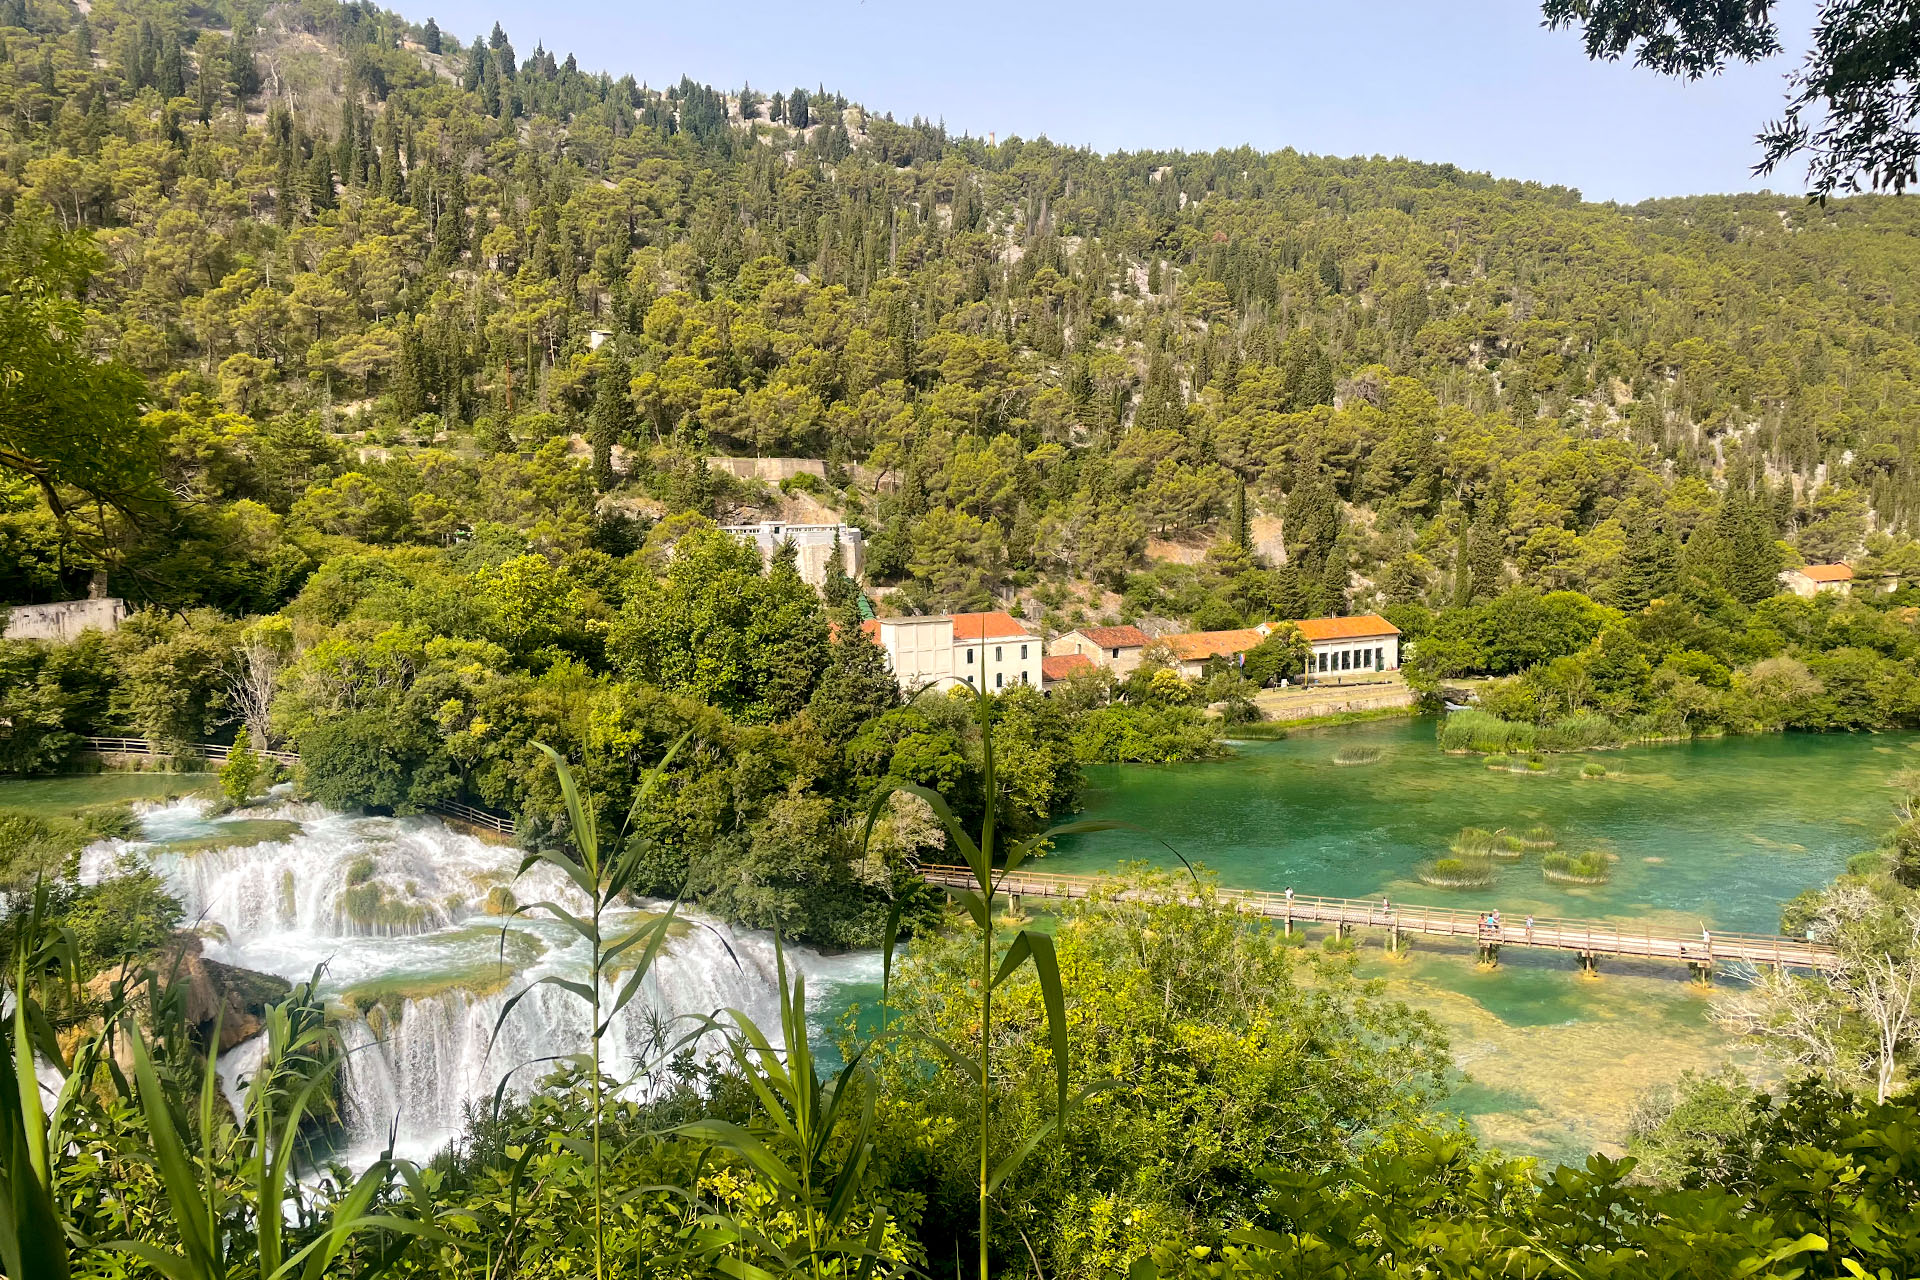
x: 1357, y: 755
x: 1539, y: 836
x: 1508, y: 847
x: 1473, y: 730
x: 1473, y: 842
x: 1536, y: 764
x: 1456, y: 873
x: 1593, y: 769
x: 1591, y: 867
x: 1499, y: 760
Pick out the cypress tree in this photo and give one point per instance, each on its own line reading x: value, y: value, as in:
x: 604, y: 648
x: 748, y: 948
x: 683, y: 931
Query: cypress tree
x: 1648, y: 570
x: 320, y: 180
x: 856, y: 687
x: 241, y: 73
x: 1486, y: 559
x: 1333, y: 583
x: 430, y: 36
x: 170, y: 72
x: 611, y: 419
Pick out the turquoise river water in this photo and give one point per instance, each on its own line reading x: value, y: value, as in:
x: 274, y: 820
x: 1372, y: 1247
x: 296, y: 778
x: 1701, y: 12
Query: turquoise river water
x: 1717, y: 833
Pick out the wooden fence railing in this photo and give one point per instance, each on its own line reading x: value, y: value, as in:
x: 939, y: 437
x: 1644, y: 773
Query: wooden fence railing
x: 218, y: 754
x: 1587, y: 938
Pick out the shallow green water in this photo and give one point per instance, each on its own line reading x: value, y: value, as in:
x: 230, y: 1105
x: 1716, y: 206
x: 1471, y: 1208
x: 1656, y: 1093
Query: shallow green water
x: 1719, y: 832
x: 69, y: 792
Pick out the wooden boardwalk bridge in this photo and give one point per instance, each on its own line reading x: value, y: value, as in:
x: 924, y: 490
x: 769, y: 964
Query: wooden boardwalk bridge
x: 1490, y: 930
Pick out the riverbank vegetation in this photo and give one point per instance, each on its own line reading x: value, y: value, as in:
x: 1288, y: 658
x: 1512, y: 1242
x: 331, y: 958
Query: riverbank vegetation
x: 402, y: 384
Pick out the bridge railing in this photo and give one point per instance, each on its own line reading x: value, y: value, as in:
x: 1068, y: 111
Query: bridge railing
x: 214, y: 751
x: 1592, y: 937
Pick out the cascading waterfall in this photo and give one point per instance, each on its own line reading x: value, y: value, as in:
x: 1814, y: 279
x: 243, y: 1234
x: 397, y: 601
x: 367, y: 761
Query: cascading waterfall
x: 398, y: 912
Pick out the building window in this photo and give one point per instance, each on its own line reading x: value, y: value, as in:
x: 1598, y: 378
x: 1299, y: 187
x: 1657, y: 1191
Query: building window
x: 1116, y: 653
x: 969, y: 657
x: 1321, y: 658
x: 998, y: 653
x: 1023, y: 653
x: 1346, y: 659
x: 999, y: 680
x: 1380, y: 659
x: 969, y: 679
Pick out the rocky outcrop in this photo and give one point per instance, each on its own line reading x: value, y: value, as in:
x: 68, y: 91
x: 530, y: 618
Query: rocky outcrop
x: 216, y: 995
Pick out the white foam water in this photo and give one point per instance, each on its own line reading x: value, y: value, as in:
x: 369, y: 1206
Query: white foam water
x: 430, y: 968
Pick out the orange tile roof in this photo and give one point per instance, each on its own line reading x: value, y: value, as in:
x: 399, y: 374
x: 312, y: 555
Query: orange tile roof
x: 993, y: 625
x: 1828, y: 572
x: 871, y: 628
x: 1062, y: 667
x: 1198, y: 646
x: 1116, y: 637
x: 1357, y: 628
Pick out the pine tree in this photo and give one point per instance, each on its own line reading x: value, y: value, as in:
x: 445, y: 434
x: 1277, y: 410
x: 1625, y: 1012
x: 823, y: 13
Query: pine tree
x: 430, y: 36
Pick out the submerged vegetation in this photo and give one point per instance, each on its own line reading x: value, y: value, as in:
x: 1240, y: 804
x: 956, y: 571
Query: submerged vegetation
x: 1353, y: 755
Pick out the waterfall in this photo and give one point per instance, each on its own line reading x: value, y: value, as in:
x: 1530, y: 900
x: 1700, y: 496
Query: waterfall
x: 397, y: 912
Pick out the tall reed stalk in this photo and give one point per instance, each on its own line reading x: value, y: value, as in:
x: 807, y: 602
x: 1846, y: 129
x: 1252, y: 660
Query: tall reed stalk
x: 603, y: 878
x: 1028, y: 947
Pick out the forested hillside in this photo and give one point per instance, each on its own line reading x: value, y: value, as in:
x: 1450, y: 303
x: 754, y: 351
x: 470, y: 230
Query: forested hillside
x: 359, y: 263
x: 404, y: 359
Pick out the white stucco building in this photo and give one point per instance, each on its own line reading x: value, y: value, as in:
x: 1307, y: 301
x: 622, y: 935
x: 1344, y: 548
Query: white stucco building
x: 1347, y: 648
x: 814, y: 546
x: 988, y: 651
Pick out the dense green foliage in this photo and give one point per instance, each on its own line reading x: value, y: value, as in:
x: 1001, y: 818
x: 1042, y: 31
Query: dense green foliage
x: 435, y: 344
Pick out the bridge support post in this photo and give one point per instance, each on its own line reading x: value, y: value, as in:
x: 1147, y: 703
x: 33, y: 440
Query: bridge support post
x: 1701, y: 971
x: 1589, y: 964
x: 1490, y: 954
x: 1287, y: 925
x: 1014, y: 899
x: 1398, y: 944
x: 1340, y: 930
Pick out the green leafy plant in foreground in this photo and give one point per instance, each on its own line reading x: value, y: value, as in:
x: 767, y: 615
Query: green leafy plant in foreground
x: 1028, y: 946
x: 603, y: 877
x: 33, y: 1240
x: 799, y: 1151
x: 238, y: 1207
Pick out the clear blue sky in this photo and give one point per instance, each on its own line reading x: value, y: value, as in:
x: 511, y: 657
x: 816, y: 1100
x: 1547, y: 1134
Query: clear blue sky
x: 1476, y: 82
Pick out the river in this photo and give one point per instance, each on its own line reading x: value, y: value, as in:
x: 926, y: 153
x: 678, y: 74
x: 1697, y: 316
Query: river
x: 405, y: 919
x: 1716, y: 833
